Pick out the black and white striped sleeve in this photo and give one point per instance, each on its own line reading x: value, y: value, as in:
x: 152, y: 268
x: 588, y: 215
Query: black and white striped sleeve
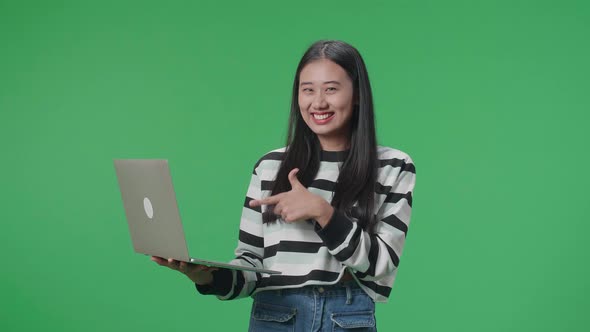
x: 375, y: 256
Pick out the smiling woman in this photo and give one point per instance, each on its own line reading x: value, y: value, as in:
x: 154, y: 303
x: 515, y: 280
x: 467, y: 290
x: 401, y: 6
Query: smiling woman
x: 326, y: 102
x: 330, y: 210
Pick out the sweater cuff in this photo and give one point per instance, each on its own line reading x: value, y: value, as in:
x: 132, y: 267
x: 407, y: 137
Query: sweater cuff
x: 336, y: 231
x: 221, y: 285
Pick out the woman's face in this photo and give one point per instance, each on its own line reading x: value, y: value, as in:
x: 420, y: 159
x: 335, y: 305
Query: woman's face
x: 326, y: 102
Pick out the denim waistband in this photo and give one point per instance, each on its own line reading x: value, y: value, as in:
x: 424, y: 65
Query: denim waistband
x: 346, y: 289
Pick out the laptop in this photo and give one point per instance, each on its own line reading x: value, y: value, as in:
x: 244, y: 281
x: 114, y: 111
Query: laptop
x: 152, y: 212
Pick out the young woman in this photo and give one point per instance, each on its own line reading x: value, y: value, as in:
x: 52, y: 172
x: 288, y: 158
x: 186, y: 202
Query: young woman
x: 330, y: 210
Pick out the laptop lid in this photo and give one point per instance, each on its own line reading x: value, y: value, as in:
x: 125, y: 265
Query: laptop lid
x: 152, y: 212
x: 151, y: 208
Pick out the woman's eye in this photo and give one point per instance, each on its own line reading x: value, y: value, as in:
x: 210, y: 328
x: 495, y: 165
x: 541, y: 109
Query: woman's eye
x: 307, y: 90
x: 331, y: 89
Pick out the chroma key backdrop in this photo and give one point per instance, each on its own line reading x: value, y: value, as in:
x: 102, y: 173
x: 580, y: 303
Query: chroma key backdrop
x: 490, y: 98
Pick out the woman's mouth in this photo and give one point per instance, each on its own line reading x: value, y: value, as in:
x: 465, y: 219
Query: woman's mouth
x: 322, y: 118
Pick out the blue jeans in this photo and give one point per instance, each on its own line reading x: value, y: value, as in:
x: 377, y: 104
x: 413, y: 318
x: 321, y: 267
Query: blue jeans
x: 340, y: 307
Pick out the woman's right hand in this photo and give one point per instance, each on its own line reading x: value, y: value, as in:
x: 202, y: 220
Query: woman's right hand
x: 199, y: 274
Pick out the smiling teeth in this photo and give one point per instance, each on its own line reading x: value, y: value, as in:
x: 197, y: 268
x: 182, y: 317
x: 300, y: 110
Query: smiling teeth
x: 322, y: 116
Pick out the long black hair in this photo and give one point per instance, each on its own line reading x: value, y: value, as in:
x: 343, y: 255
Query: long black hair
x: 358, y: 173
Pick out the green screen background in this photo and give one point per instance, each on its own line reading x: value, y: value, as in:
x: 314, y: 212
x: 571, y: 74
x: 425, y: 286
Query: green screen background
x: 490, y: 98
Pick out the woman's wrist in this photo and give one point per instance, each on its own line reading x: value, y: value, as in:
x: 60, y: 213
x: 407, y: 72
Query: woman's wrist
x: 201, y: 278
x: 325, y: 214
x: 203, y: 282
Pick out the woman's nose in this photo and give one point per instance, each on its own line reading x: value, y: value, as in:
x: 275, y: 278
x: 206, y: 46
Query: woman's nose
x: 319, y: 101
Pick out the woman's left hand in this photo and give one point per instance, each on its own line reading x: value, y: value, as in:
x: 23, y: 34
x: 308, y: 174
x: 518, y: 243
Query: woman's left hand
x: 298, y: 203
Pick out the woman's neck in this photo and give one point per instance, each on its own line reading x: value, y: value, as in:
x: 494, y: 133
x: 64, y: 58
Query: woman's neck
x: 334, y: 144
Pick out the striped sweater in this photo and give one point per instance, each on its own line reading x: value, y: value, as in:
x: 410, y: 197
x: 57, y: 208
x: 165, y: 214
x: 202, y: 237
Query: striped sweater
x: 305, y: 253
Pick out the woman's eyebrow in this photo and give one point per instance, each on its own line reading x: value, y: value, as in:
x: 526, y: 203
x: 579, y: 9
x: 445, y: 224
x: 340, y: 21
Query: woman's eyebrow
x: 326, y: 82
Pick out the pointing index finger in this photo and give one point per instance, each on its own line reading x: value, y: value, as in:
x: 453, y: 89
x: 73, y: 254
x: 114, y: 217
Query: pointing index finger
x: 265, y: 201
